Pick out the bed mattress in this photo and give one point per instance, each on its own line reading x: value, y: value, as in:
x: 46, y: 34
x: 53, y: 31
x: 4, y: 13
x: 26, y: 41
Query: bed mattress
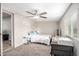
x: 65, y: 41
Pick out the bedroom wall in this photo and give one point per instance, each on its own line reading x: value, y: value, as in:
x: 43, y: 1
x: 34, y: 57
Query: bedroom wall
x: 65, y: 20
x: 45, y: 27
x: 21, y: 27
x: 65, y: 29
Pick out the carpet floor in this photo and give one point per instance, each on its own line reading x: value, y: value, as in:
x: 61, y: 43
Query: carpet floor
x: 6, y: 44
x: 31, y: 49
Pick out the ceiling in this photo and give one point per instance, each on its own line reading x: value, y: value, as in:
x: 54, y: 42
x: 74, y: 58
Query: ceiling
x: 54, y: 10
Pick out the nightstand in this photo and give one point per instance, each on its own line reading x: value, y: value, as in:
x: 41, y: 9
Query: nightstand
x: 27, y: 39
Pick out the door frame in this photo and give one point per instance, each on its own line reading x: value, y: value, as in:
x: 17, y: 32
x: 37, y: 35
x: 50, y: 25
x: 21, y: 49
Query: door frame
x: 12, y: 26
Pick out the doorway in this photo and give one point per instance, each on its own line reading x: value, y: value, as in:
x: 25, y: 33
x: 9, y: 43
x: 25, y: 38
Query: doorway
x: 7, y: 30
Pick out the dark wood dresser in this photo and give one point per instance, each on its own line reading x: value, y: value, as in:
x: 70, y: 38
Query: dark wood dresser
x: 61, y: 50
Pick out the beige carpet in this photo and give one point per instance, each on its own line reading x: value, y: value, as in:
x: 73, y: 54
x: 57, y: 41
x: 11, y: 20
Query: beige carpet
x: 31, y: 49
x: 6, y: 44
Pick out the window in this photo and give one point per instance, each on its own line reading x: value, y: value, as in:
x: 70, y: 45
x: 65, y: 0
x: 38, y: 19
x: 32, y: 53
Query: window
x: 73, y: 25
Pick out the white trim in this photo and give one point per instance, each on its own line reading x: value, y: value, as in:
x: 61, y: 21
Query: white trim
x: 1, y: 34
x: 12, y: 27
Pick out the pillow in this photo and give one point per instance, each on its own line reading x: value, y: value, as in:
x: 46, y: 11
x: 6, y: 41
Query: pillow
x: 34, y: 33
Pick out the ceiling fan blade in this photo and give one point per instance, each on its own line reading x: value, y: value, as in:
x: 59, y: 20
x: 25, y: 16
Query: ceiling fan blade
x: 29, y: 12
x: 43, y: 13
x: 43, y: 17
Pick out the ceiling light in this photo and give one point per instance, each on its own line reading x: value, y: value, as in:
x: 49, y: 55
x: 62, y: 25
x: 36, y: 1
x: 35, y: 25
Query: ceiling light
x: 36, y: 17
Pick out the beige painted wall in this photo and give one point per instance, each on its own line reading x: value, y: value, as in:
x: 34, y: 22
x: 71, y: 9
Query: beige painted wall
x: 21, y: 27
x: 47, y: 27
x: 65, y: 20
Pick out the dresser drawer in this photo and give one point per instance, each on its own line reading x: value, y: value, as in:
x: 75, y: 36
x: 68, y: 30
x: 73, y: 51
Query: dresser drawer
x: 62, y: 47
x: 61, y: 53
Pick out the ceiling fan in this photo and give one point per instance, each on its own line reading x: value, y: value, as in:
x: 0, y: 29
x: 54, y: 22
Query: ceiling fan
x: 37, y: 15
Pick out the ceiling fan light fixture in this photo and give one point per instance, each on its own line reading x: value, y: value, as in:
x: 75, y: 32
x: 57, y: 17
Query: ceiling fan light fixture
x: 36, y: 17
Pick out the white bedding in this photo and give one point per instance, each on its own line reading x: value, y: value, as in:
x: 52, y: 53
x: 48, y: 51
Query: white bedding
x: 41, y: 39
x: 65, y: 41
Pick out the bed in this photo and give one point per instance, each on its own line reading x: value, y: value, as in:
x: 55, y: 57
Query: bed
x: 41, y: 39
x: 64, y: 41
x: 34, y: 37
